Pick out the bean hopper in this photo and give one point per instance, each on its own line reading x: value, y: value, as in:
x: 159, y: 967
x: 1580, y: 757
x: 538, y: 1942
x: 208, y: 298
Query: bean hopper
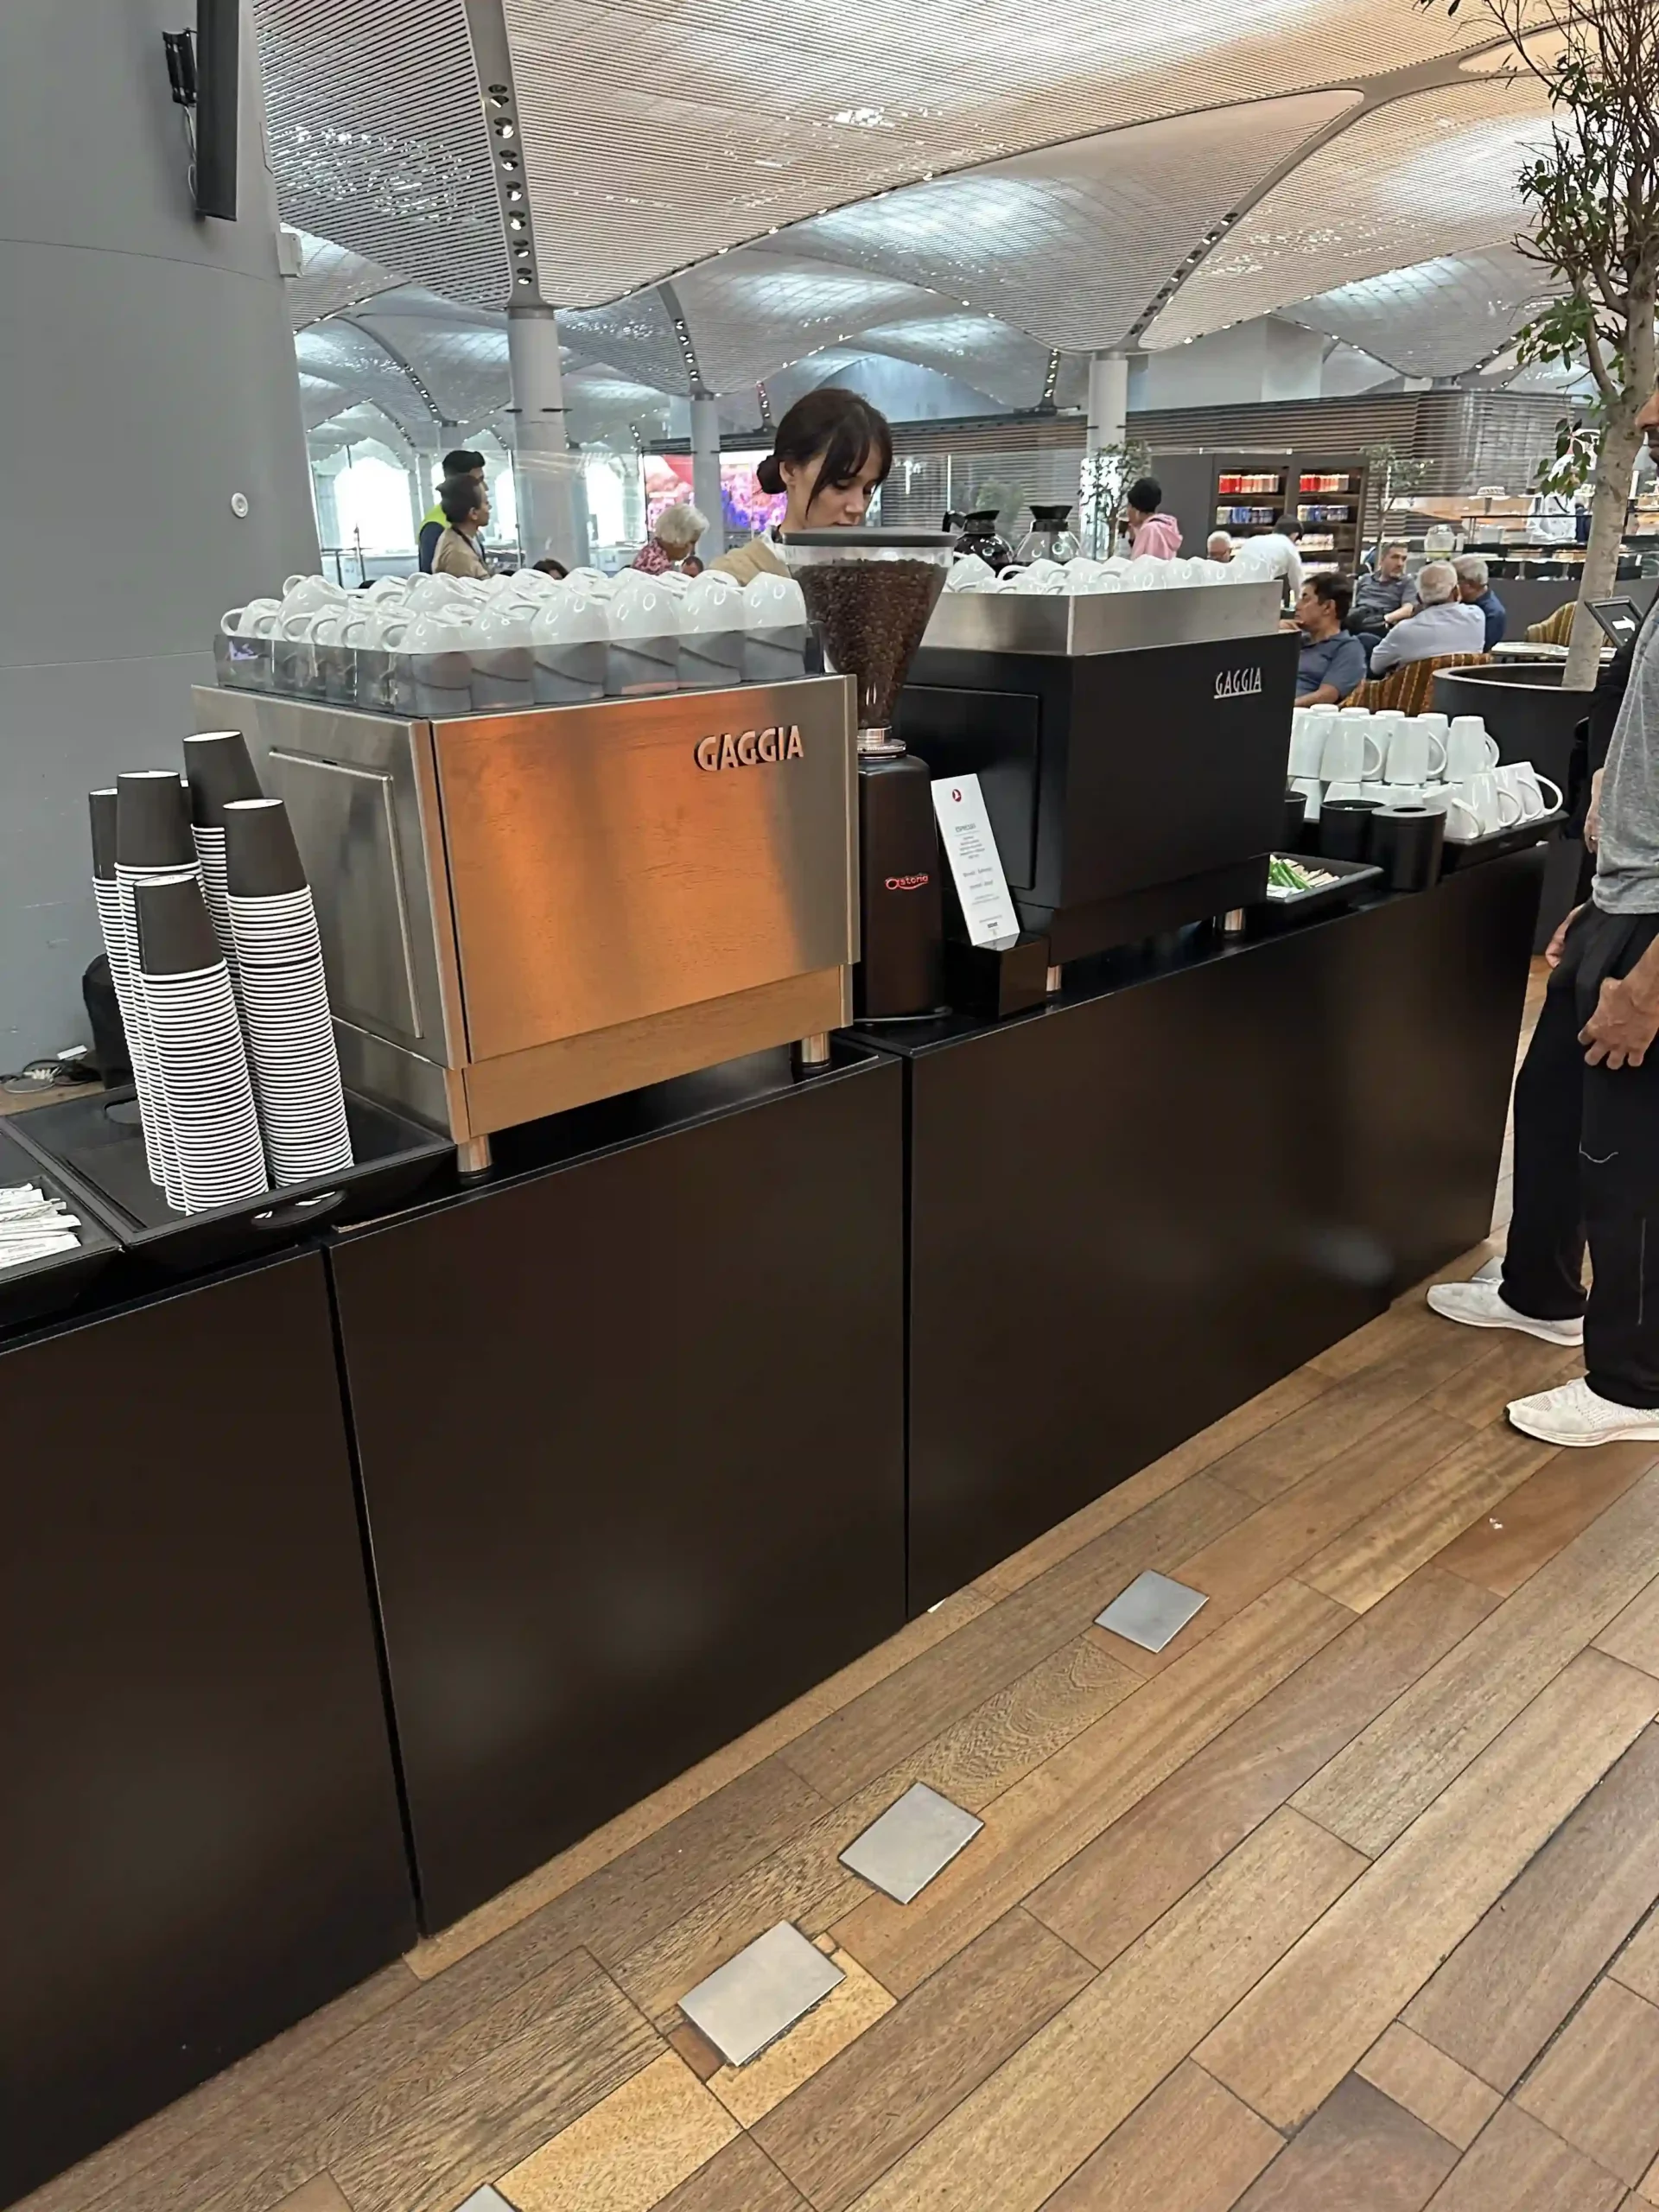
x: 868, y: 595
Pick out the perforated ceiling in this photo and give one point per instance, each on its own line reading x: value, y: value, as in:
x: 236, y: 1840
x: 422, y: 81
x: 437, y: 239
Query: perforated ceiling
x: 751, y: 312
x: 1436, y: 318
x: 1073, y: 243
x: 656, y: 132
x: 1433, y: 173
x: 377, y: 137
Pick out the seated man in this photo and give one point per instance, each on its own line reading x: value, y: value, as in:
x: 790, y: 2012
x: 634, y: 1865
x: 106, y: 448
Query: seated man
x: 1474, y: 589
x: 1382, y: 590
x: 1220, y: 546
x: 1331, y: 662
x: 1439, y: 623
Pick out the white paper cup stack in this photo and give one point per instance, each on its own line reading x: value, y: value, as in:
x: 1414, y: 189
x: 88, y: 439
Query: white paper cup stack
x: 201, y: 1059
x: 284, y: 996
x: 152, y: 845
x: 218, y: 769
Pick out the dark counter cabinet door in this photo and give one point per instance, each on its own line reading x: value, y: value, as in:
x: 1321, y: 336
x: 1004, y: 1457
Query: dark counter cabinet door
x: 631, y: 1433
x: 200, y: 1836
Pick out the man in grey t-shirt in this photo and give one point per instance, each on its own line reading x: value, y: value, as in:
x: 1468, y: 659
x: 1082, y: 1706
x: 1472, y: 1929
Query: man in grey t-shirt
x: 1586, y: 1114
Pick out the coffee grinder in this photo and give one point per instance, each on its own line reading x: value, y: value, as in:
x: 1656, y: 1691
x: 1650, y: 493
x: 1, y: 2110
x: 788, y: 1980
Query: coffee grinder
x: 868, y: 595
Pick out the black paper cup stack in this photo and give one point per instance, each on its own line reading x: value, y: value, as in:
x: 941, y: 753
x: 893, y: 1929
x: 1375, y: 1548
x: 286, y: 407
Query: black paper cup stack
x: 114, y: 930
x: 284, y: 994
x: 152, y: 845
x: 217, y: 768
x: 200, y: 1058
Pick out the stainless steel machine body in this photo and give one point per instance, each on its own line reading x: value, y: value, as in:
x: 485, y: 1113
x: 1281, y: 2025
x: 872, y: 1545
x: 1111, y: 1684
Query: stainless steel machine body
x: 524, y: 912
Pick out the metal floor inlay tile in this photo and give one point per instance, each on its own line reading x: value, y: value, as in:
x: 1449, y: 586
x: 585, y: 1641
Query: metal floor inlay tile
x: 485, y: 2200
x: 914, y: 1841
x: 755, y: 1998
x: 1151, y: 1610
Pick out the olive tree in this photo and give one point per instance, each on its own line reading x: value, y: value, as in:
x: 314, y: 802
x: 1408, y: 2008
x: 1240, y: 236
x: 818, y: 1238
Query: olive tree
x: 1593, y: 197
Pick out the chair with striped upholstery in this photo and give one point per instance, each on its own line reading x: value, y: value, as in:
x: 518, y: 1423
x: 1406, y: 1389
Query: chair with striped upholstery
x: 1409, y: 689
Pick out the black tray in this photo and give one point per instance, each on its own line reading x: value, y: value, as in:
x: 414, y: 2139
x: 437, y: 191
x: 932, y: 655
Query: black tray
x: 48, y: 1286
x: 96, y: 1149
x: 1458, y: 855
x: 1353, y: 877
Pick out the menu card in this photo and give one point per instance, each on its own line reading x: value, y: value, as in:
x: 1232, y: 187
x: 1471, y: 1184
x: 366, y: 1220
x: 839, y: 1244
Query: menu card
x: 975, y: 864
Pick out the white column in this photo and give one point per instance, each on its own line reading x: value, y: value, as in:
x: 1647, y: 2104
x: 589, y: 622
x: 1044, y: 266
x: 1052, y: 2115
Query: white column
x: 705, y: 475
x: 544, y: 467
x: 1109, y: 399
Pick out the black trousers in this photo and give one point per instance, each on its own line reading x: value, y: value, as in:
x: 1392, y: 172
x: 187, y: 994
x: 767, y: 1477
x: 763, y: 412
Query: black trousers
x: 1587, y: 1168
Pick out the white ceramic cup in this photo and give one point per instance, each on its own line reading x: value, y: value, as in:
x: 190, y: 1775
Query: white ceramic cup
x: 1469, y: 750
x: 1463, y: 824
x: 1350, y: 753
x: 1416, y: 751
x: 1311, y: 791
x: 1494, y: 807
x: 1306, y: 743
x: 1537, y: 794
x: 258, y: 618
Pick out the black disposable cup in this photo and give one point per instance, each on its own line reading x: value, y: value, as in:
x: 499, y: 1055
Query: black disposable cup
x: 176, y: 934
x: 101, y: 805
x: 1295, y: 818
x: 1409, y: 842
x: 152, y: 821
x: 261, y: 858
x: 219, y: 770
x: 1345, y: 827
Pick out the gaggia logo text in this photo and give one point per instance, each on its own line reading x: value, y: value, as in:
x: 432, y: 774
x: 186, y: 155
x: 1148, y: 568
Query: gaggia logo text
x: 905, y: 882
x: 753, y: 748
x: 1238, y: 683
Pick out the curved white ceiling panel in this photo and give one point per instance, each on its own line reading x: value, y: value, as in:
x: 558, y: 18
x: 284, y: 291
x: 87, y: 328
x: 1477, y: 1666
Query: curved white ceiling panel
x: 465, y: 371
x: 1436, y: 318
x: 1073, y: 243
x: 635, y: 335
x: 1431, y: 175
x: 333, y: 278
x: 751, y: 313
x: 976, y: 349
x: 352, y: 359
x: 656, y: 132
x: 377, y: 138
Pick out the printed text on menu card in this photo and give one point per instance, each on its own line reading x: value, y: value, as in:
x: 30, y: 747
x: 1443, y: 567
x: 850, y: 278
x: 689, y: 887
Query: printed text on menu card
x: 975, y: 864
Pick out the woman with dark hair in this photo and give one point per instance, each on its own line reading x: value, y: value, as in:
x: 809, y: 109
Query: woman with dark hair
x: 830, y: 454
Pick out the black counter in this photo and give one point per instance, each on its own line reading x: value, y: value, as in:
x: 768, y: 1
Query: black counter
x: 631, y: 1426
x: 1135, y: 1209
x: 200, y: 1840
x: 679, y: 1412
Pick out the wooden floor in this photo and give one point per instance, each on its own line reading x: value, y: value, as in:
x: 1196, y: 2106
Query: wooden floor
x: 1345, y: 1900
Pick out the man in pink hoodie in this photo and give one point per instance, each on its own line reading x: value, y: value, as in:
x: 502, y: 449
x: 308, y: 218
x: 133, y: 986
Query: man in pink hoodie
x: 1150, y: 533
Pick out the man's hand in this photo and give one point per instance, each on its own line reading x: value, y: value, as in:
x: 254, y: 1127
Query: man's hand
x: 1401, y: 613
x: 1592, y: 819
x: 1286, y: 624
x: 1557, y: 945
x: 1621, y: 1028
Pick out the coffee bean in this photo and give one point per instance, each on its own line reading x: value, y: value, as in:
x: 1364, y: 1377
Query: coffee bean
x: 870, y: 616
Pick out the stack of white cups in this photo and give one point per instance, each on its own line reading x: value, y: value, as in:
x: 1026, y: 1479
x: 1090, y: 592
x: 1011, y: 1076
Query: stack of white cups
x: 1449, y: 765
x: 201, y: 1063
x: 152, y: 845
x: 218, y: 769
x: 284, y: 996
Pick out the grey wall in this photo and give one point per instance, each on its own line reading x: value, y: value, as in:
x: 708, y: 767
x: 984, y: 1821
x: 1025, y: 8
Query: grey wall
x: 146, y: 374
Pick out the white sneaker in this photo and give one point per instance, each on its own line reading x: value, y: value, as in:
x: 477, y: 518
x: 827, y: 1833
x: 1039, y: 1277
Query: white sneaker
x: 1480, y: 1305
x: 1574, y: 1415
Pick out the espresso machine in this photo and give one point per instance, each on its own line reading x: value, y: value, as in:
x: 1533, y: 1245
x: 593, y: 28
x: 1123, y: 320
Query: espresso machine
x: 869, y: 595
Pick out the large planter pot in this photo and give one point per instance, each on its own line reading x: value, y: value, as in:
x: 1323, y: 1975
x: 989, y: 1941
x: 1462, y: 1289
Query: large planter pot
x: 1525, y: 708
